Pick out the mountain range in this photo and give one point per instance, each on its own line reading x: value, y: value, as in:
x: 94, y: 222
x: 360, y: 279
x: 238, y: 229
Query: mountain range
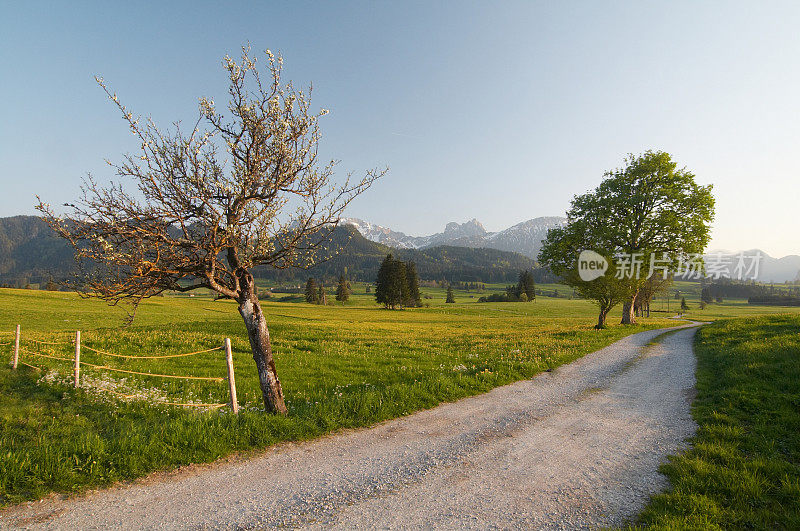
x: 30, y: 252
x: 524, y: 238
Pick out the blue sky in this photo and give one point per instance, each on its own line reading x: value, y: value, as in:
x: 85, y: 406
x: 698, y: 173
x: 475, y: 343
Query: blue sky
x: 500, y: 111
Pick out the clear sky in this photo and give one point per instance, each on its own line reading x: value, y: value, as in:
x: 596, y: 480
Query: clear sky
x: 496, y: 110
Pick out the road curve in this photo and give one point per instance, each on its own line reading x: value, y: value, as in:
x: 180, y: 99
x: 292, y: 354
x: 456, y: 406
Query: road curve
x: 578, y: 447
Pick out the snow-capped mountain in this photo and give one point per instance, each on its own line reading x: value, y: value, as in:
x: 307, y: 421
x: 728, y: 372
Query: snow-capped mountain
x: 524, y: 238
x: 379, y: 234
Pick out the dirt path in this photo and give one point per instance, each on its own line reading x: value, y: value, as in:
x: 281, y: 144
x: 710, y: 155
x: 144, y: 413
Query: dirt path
x: 577, y: 447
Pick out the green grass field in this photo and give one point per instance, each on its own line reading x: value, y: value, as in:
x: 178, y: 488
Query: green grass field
x: 340, y: 366
x: 743, y: 470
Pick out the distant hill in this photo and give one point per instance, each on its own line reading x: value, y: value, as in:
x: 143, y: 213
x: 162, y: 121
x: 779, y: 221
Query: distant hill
x: 777, y: 269
x: 30, y: 253
x: 524, y: 238
x: 362, y: 257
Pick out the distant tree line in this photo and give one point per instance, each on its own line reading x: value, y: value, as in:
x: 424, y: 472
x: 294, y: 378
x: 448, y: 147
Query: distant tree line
x: 775, y: 300
x: 746, y: 290
x: 397, y: 284
x: 315, y: 292
x: 523, y: 291
x: 463, y: 286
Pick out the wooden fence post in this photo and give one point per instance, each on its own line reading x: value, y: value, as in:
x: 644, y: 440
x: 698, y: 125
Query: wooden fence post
x: 16, y: 350
x: 77, y: 357
x: 231, y: 380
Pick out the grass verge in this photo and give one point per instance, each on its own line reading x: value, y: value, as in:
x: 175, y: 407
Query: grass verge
x: 743, y: 469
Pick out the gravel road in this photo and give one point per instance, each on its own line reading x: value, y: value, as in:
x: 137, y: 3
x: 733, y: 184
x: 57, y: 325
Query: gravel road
x: 578, y: 447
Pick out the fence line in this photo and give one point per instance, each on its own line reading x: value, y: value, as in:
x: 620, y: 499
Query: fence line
x: 78, y: 362
x: 209, y: 378
x: 44, y: 355
x: 69, y: 342
x: 87, y: 347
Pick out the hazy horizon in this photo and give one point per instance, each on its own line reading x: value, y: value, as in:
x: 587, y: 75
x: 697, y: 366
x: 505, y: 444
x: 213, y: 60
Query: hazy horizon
x: 496, y: 112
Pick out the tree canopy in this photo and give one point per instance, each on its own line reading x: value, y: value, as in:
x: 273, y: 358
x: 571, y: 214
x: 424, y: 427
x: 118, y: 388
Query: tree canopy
x: 343, y: 289
x: 649, y: 211
x: 397, y: 284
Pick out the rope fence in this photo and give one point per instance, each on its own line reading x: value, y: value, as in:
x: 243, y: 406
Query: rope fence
x: 26, y: 351
x: 87, y: 347
x: 107, y: 368
x: 69, y: 342
x: 31, y: 366
x: 77, y: 363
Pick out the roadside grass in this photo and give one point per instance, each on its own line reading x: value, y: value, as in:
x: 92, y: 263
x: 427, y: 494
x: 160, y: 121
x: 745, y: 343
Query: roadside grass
x: 733, y: 308
x: 340, y: 366
x: 743, y: 468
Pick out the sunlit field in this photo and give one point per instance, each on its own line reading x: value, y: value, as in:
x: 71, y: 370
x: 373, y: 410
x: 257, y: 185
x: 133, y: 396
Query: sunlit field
x: 340, y: 366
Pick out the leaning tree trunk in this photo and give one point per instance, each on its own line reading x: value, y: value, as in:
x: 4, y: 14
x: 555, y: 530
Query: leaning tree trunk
x: 250, y: 310
x: 627, y: 311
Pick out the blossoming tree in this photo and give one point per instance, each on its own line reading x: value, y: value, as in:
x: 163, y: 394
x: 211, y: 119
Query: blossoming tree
x: 198, y: 219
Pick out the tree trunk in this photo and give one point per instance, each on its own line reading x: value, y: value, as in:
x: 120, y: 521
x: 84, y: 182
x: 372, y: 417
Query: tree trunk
x: 250, y: 310
x: 601, y: 319
x: 627, y: 311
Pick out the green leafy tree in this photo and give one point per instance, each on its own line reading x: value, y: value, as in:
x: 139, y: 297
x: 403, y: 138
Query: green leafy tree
x: 343, y: 289
x: 706, y: 296
x: 322, y: 297
x: 654, y: 285
x: 398, y: 291
x: 647, y: 210
x: 684, y: 306
x: 412, y: 279
x: 391, y: 286
x: 383, y: 280
x: 526, y: 285
x: 512, y: 295
x: 560, y: 253
x: 450, y: 297
x: 312, y: 293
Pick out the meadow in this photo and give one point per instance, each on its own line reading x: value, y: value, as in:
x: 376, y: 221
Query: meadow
x: 341, y: 366
x: 743, y: 468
